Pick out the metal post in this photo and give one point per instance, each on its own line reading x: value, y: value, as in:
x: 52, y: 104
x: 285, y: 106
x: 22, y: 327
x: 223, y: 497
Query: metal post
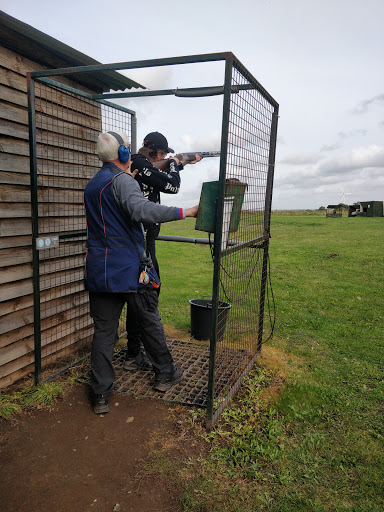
x: 35, y: 226
x: 133, y: 134
x: 217, y: 239
x: 267, y: 224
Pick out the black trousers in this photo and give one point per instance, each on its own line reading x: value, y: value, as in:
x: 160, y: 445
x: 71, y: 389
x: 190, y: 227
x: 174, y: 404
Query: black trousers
x: 105, y: 309
x: 134, y: 337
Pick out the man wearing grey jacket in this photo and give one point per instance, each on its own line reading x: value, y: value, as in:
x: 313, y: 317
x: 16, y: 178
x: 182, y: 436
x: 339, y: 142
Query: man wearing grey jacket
x: 115, y: 209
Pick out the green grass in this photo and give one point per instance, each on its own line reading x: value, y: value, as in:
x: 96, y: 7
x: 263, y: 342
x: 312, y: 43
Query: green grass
x: 317, y: 444
x: 30, y: 396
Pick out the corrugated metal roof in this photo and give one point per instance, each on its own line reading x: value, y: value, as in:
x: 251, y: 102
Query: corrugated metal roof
x: 51, y: 53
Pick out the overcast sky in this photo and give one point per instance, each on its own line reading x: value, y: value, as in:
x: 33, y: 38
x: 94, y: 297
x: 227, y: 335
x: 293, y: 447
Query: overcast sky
x: 322, y: 60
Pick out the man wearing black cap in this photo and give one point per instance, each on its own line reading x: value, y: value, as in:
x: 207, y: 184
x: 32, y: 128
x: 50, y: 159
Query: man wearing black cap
x: 152, y: 181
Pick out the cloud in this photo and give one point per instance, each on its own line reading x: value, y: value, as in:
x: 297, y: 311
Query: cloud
x: 359, y: 158
x: 151, y: 78
x: 353, y: 133
x: 301, y: 158
x: 363, y: 106
x: 342, y: 136
x: 364, y: 163
x: 330, y: 147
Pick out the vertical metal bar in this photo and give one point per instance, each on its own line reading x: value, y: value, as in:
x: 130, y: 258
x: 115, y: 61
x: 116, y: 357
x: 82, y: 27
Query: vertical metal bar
x: 217, y: 239
x: 271, y: 169
x: 267, y: 224
x: 133, y: 134
x: 35, y: 226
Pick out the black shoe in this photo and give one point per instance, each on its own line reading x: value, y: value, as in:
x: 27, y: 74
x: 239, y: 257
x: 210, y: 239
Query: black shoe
x: 140, y: 362
x: 100, y: 404
x: 163, y: 384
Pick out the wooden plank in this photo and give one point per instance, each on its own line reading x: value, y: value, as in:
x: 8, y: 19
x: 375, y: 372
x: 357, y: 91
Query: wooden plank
x: 18, y: 319
x: 16, y: 163
x: 50, y: 266
x: 13, y: 210
x: 17, y: 374
x: 13, y: 370
x: 69, y: 140
x: 11, y: 129
x: 13, y: 80
x: 19, y: 83
x: 21, y: 65
x: 51, y: 95
x: 15, y: 241
x: 14, y: 193
x: 10, y: 291
x: 71, y: 324
x: 44, y: 107
x: 13, y: 96
x: 51, y: 328
x: 26, y: 301
x: 9, y: 257
x: 13, y: 113
x: 14, y: 178
x: 57, y: 96
x: 57, y: 154
x: 56, y: 125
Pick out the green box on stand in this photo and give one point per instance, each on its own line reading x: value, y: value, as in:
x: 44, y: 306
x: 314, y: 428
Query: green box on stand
x: 233, y: 202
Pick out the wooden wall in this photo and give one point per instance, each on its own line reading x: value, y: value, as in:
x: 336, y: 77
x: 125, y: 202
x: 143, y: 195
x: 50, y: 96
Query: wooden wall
x: 67, y: 128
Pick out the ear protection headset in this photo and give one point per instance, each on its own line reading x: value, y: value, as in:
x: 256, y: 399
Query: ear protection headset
x: 123, y: 150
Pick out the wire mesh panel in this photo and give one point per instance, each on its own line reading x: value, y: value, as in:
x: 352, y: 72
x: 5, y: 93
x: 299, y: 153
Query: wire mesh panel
x: 66, y: 131
x: 67, y: 126
x: 241, y: 259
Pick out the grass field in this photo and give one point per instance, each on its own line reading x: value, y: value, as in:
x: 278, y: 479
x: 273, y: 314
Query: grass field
x: 306, y: 431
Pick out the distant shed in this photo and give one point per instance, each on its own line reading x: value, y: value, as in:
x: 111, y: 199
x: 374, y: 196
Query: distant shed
x: 23, y: 49
x: 371, y: 208
x: 336, y: 210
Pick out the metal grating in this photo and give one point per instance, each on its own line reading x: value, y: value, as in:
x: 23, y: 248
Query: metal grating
x: 193, y: 358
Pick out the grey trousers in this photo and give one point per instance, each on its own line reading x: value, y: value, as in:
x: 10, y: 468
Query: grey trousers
x: 105, y: 309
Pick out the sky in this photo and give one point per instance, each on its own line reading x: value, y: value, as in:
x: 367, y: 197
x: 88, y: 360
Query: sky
x: 321, y: 60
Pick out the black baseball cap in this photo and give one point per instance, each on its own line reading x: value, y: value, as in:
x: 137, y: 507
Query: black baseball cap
x: 156, y: 140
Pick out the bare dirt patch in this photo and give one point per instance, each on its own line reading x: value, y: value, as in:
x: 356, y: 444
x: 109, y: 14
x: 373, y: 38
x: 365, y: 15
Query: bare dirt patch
x: 66, y: 458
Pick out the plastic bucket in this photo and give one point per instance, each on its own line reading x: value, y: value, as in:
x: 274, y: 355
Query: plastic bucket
x: 201, y: 318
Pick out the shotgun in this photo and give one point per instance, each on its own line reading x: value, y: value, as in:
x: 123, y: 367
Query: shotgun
x: 162, y: 165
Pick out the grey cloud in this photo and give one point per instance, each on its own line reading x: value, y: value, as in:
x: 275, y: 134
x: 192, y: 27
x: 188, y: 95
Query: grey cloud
x: 353, y: 133
x: 330, y: 147
x: 301, y: 159
x: 363, y: 106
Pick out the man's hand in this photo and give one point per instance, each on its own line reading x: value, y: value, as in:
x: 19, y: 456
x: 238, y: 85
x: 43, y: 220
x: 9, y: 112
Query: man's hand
x: 197, y: 159
x: 192, y: 212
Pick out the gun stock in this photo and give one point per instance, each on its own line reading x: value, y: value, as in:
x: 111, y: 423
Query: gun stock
x: 162, y: 165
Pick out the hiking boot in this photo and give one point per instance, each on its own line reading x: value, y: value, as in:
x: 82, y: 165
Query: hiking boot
x: 163, y: 384
x: 100, y: 404
x: 140, y: 362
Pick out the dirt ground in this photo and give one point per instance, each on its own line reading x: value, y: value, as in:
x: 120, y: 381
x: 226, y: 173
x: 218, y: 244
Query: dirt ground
x: 65, y: 458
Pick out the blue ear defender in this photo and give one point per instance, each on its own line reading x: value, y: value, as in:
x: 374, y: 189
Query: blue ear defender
x: 123, y: 150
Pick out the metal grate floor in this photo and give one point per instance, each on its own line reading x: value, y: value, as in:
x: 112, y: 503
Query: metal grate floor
x: 194, y: 359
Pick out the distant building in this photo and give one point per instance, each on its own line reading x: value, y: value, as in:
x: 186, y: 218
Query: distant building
x: 366, y: 209
x: 336, y: 210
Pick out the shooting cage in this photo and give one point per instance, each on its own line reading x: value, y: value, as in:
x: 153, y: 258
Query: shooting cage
x: 63, y: 126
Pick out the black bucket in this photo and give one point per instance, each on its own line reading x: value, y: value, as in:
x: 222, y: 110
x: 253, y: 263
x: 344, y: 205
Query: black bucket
x: 201, y: 318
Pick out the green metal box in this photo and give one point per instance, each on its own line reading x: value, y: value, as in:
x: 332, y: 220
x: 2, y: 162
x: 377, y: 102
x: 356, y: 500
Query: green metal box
x: 233, y: 202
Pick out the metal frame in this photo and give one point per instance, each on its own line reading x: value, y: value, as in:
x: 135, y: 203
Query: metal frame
x: 259, y: 243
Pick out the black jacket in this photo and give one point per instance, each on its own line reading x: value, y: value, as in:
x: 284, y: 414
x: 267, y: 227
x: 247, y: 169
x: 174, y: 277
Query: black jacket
x: 152, y: 181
